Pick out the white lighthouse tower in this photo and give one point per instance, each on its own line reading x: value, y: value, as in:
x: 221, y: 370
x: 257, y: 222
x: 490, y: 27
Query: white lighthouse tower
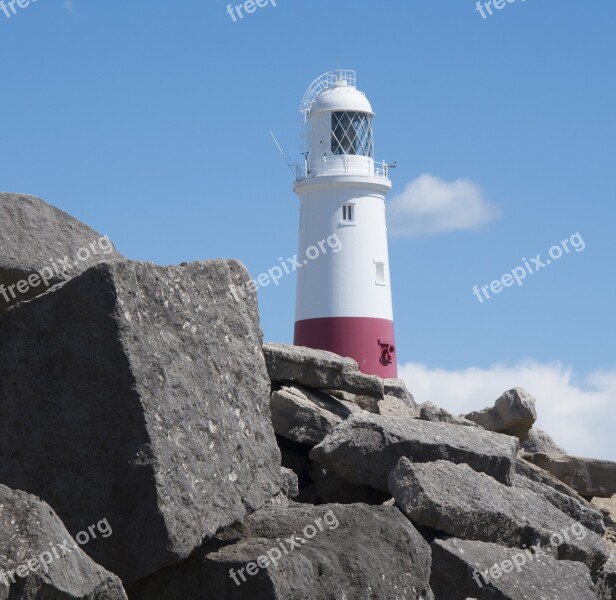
x: 344, y: 298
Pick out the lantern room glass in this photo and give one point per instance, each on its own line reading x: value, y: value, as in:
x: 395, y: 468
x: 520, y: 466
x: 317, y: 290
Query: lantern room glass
x: 352, y: 134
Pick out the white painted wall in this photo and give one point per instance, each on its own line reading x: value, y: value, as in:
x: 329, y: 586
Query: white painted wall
x: 343, y: 284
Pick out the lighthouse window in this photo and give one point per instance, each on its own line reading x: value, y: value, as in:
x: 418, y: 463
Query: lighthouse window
x: 380, y: 272
x: 352, y: 134
x: 348, y: 212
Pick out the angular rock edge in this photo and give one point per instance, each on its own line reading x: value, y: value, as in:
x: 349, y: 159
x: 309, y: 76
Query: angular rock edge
x: 460, y: 502
x: 150, y: 384
x: 39, y: 558
x: 366, y: 447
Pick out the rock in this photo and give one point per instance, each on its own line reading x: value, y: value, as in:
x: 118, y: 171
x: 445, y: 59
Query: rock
x: 307, y: 553
x: 540, y: 441
x: 346, y: 396
x: 397, y: 388
x: 513, y: 414
x: 458, y: 501
x: 398, y: 401
x: 365, y: 448
x: 306, y: 416
x: 290, y: 485
x: 587, y: 476
x: 534, y: 473
x: 367, y: 403
x: 40, y: 559
x: 436, y: 414
x: 147, y: 402
x: 586, y: 515
x: 328, y: 488
x: 489, y: 571
x: 607, y: 506
x: 319, y: 369
x: 391, y: 406
x: 606, y: 580
x: 41, y: 246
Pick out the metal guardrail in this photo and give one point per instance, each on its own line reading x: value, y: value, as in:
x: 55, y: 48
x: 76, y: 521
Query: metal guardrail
x: 325, y: 82
x: 336, y: 166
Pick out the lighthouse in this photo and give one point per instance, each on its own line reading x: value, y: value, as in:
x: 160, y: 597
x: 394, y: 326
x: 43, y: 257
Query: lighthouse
x: 343, y: 299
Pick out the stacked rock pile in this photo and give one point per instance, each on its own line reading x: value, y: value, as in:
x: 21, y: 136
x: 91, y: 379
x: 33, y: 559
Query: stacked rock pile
x: 154, y: 448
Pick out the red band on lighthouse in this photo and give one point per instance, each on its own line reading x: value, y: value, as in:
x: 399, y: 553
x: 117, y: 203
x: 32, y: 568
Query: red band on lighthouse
x: 368, y: 341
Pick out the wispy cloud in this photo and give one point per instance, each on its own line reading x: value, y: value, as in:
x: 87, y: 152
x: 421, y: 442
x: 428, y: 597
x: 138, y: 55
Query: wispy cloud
x: 430, y: 205
x: 68, y: 4
x: 579, y: 415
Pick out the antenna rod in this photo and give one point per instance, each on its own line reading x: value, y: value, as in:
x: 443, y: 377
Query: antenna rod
x: 284, y: 155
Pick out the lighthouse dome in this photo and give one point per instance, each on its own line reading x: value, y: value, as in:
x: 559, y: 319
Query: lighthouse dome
x: 341, y: 97
x: 338, y: 134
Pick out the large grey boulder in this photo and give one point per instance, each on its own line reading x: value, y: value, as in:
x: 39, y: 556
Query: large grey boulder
x: 587, y: 515
x: 139, y: 393
x: 606, y: 580
x: 488, y: 571
x: 319, y: 369
x: 540, y: 441
x: 41, y: 246
x: 304, y: 553
x: 513, y: 413
x: 39, y: 558
x: 431, y: 412
x: 458, y: 501
x: 365, y: 448
x: 587, y: 476
x: 306, y: 416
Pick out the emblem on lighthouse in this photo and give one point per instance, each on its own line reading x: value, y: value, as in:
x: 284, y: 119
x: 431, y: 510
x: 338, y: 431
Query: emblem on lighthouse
x: 343, y: 299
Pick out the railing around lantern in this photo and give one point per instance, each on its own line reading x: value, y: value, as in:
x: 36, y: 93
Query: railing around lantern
x: 334, y: 165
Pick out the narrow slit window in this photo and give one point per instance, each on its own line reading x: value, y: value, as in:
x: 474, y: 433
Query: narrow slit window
x: 380, y: 272
x: 348, y: 213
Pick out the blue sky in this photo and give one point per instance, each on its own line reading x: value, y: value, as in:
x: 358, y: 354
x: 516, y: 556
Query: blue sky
x: 150, y: 122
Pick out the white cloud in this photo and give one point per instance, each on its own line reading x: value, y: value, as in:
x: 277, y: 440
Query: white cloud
x: 430, y: 205
x: 68, y: 4
x: 580, y: 416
